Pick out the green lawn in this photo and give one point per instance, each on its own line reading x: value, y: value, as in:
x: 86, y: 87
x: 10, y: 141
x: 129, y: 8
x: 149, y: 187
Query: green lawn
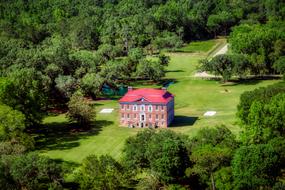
x: 192, y: 98
x: 201, y: 46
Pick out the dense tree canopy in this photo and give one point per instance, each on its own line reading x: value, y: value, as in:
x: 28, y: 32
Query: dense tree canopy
x: 264, y: 45
x: 164, y: 153
x: 51, y: 49
x: 30, y: 171
x: 100, y: 173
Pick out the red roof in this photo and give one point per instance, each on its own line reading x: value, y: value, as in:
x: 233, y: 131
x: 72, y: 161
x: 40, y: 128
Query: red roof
x: 148, y: 94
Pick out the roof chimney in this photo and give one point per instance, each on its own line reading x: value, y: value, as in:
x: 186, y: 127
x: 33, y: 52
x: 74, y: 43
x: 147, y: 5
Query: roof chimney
x: 130, y: 88
x: 164, y: 89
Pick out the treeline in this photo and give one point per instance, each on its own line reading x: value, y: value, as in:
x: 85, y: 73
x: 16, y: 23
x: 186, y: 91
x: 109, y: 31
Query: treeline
x: 129, y: 23
x: 162, y: 159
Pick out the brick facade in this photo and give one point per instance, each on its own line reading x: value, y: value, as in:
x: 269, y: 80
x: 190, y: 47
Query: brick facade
x: 143, y: 113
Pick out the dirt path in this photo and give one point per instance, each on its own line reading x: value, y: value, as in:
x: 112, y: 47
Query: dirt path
x: 223, y: 50
x: 204, y: 74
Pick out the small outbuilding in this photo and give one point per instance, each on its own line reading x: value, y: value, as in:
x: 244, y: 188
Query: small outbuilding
x: 147, y: 107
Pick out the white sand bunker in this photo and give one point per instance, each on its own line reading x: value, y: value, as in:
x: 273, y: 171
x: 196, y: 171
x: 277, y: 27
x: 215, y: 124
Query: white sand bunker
x: 106, y: 110
x: 210, y: 113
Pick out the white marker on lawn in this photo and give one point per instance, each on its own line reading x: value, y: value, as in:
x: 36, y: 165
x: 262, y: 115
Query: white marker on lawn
x: 210, y: 113
x: 106, y: 110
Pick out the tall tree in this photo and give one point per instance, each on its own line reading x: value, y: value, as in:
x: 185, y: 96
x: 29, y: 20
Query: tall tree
x: 79, y: 110
x: 100, y: 173
x: 24, y: 90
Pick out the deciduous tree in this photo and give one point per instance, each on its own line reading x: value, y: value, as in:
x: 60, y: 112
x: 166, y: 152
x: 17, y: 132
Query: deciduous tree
x: 80, y: 110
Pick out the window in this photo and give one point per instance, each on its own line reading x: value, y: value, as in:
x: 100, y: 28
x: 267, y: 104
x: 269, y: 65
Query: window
x: 156, y: 107
x: 135, y: 115
x: 128, y: 106
x: 122, y: 106
x: 162, y: 107
x: 142, y: 107
x: 149, y: 116
x: 122, y: 115
x: 135, y: 107
x: 142, y: 117
x: 128, y: 115
x: 156, y: 116
x: 150, y: 108
x: 162, y: 116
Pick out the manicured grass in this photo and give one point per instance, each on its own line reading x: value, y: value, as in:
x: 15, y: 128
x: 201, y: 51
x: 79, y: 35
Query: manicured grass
x: 193, y: 97
x: 200, y: 46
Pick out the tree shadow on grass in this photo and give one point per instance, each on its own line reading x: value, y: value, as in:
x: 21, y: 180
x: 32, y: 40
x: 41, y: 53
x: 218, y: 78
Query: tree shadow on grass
x: 167, y: 82
x: 250, y: 80
x: 66, y: 135
x: 241, y: 82
x: 175, y: 71
x: 181, y: 121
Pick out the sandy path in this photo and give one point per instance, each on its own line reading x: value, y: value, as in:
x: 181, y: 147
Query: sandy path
x: 204, y: 74
x: 223, y: 50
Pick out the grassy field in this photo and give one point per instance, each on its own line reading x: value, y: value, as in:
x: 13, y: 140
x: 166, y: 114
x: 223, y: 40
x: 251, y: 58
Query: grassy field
x: 202, y: 46
x: 193, y: 97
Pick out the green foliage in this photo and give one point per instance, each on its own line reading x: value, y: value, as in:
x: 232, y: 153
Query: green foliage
x: 226, y: 65
x: 219, y: 136
x: 168, y: 40
x: 167, y: 155
x: 279, y: 65
x: 224, y: 178
x: 91, y: 84
x: 24, y: 90
x: 262, y: 43
x: 86, y: 59
x: 11, y: 121
x: 66, y: 85
x: 148, y: 69
x: 211, y: 150
x: 10, y: 148
x: 163, y: 152
x: 30, y: 171
x: 100, y: 173
x: 256, y: 166
x: 80, y: 110
x: 266, y: 120
x: 208, y: 159
x: 135, y: 150
x: 263, y: 95
x: 221, y: 21
x: 163, y: 59
x: 150, y: 182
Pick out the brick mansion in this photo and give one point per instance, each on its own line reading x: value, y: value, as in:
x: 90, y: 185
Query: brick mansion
x: 146, y: 107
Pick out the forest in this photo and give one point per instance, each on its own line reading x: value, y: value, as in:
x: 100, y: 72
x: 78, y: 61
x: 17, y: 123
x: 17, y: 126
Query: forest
x: 57, y: 54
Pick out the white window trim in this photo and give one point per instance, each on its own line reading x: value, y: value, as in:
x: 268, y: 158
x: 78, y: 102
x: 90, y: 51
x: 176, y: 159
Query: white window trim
x: 150, y: 108
x: 156, y: 107
x: 142, y: 107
